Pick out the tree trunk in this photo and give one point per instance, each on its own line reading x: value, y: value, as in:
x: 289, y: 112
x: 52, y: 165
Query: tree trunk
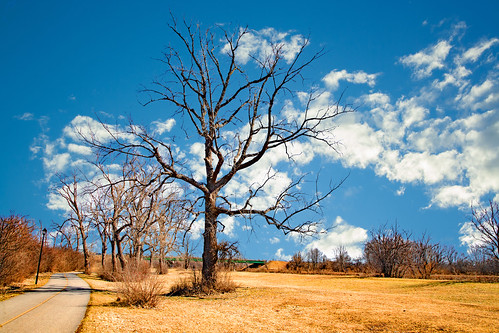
x: 117, y: 243
x: 103, y: 257
x: 103, y: 250
x: 86, y: 255
x: 210, y: 253
x: 120, y: 253
x: 113, y: 255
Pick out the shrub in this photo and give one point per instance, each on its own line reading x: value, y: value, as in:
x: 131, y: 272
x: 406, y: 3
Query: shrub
x: 61, y: 259
x: 137, y: 286
x: 296, y: 263
x: 193, y: 286
x: 18, y: 249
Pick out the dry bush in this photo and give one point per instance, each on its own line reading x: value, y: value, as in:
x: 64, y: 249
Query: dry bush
x: 193, y: 286
x: 61, y: 259
x: 137, y: 286
x: 107, y: 275
x: 296, y: 264
x: 18, y: 249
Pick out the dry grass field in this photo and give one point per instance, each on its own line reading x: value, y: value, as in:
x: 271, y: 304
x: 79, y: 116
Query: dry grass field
x: 19, y: 288
x: 277, y: 302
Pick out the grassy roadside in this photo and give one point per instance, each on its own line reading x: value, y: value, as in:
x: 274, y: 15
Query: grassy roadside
x: 19, y: 288
x: 306, y: 303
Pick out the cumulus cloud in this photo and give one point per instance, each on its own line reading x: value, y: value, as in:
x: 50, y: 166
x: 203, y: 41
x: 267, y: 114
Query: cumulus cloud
x: 160, y: 127
x: 426, y: 61
x: 79, y: 149
x: 260, y: 44
x: 473, y: 53
x: 360, y: 77
x: 228, y: 226
x: 481, y: 95
x: 342, y: 234
x: 274, y: 240
x: 421, y: 138
x: 470, y: 237
x: 279, y: 255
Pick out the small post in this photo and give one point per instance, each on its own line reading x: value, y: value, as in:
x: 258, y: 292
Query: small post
x: 44, y: 232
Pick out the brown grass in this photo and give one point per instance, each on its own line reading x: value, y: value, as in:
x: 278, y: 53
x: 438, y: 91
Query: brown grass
x: 192, y: 285
x: 15, y: 289
x: 306, y: 303
x: 137, y: 286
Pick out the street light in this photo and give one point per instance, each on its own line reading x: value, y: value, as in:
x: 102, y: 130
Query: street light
x: 44, y: 232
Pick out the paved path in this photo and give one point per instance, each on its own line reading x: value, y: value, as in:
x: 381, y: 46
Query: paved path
x: 58, y: 306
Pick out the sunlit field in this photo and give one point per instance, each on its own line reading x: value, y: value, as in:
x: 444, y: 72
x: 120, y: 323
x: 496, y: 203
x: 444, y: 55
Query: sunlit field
x: 18, y: 288
x: 277, y: 302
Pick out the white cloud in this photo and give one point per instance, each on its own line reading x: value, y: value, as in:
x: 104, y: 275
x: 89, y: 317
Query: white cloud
x: 426, y: 61
x: 470, y: 236
x: 425, y: 167
x: 377, y: 99
x: 57, y: 202
x: 481, y: 95
x: 281, y: 256
x: 360, y: 77
x: 260, y: 44
x: 79, y: 149
x: 26, y: 116
x: 56, y: 163
x: 228, y: 225
x: 274, y: 240
x: 359, y: 144
x: 400, y: 191
x: 342, y: 234
x: 443, y: 135
x: 412, y: 111
x: 197, y: 229
x: 452, y: 196
x: 161, y: 127
x: 473, y: 53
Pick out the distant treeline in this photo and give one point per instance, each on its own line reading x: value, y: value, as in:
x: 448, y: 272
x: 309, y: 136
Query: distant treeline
x: 20, y: 245
x: 391, y: 252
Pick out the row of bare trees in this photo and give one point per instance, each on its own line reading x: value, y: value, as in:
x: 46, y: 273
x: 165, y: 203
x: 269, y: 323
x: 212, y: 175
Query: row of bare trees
x: 392, y: 252
x: 20, y: 242
x: 128, y: 210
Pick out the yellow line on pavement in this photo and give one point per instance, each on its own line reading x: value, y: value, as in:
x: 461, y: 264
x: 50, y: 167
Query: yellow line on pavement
x: 48, y: 299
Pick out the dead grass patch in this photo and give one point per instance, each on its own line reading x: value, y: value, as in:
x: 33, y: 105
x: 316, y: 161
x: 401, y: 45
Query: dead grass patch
x: 192, y: 285
x: 15, y: 289
x: 307, y: 303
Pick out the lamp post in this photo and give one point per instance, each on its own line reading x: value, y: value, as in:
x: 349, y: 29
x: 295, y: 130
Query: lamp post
x: 44, y: 232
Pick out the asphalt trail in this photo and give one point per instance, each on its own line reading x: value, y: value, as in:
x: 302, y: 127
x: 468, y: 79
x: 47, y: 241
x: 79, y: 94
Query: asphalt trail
x: 58, y: 306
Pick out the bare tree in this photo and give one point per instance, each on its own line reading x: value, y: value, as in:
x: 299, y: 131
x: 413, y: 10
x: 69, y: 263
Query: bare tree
x: 187, y: 251
x: 169, y: 223
x: 115, y: 197
x: 144, y: 201
x: 77, y: 218
x: 296, y: 263
x: 237, y: 113
x: 315, y: 257
x: 388, y: 251
x: 485, y: 221
x: 227, y: 253
x: 341, y: 258
x: 426, y: 256
x: 99, y: 222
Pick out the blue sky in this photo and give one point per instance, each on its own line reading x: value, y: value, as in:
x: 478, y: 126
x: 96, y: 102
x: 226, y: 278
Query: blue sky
x: 424, y: 76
